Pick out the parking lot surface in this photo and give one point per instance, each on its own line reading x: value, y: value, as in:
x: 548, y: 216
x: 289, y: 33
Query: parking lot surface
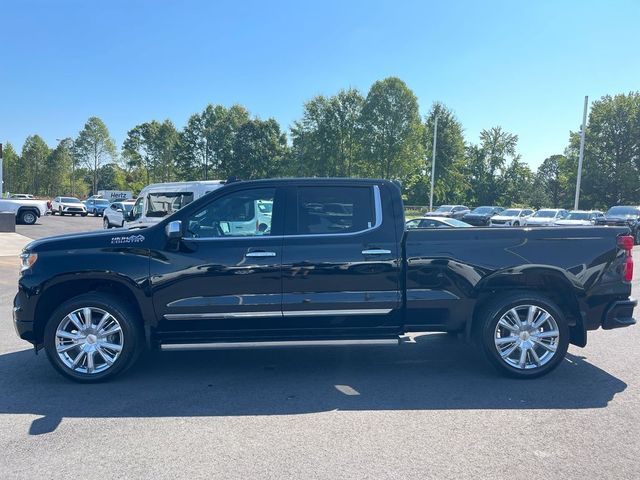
x: 429, y: 409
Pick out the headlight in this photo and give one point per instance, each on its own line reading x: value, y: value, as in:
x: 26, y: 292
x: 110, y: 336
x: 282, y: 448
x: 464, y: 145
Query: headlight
x: 27, y: 260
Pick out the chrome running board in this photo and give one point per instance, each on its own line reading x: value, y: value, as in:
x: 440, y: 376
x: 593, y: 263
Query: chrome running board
x: 282, y: 343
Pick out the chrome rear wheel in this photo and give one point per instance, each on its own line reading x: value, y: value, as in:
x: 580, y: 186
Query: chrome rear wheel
x: 526, y: 337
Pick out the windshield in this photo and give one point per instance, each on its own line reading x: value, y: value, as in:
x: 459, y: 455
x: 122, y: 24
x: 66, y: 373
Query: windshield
x: 483, y: 210
x: 457, y: 223
x: 623, y: 211
x: 512, y: 212
x: 163, y: 204
x: 578, y: 216
x: 69, y: 200
x: 545, y: 213
x: 444, y: 208
x: 101, y: 202
x: 127, y: 206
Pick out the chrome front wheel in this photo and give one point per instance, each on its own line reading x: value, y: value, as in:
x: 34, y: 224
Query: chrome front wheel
x: 89, y: 340
x: 93, y: 336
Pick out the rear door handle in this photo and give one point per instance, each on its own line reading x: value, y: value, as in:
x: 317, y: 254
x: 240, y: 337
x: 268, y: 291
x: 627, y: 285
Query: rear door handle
x: 260, y: 254
x: 376, y: 251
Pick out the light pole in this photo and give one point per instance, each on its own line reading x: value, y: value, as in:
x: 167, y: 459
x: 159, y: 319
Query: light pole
x: 433, y: 163
x: 1, y: 173
x: 581, y: 154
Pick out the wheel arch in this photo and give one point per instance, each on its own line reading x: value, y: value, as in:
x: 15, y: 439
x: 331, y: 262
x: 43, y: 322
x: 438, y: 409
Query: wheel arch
x: 551, y: 282
x: 66, y: 289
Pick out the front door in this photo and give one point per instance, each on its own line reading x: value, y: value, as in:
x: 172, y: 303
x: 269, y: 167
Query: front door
x: 341, y: 262
x: 222, y: 278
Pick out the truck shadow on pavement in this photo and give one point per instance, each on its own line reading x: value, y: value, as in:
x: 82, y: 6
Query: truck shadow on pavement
x: 434, y: 373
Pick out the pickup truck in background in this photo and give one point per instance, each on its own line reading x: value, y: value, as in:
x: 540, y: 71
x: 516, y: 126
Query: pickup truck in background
x: 335, y: 265
x: 27, y: 211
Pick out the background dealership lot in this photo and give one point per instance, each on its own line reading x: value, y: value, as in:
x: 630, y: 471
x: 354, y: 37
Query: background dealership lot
x: 429, y: 409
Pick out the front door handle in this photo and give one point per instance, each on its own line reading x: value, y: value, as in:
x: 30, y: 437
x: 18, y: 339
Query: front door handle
x: 376, y: 251
x: 260, y: 254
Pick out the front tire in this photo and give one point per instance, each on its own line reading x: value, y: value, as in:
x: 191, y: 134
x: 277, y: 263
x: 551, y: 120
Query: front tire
x: 105, y: 223
x: 93, y: 337
x: 524, y: 335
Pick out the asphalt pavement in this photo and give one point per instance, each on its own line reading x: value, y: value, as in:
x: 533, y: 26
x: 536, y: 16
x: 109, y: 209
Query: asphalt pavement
x: 428, y: 409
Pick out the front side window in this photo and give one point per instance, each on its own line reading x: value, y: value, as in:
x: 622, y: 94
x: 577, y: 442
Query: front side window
x: 330, y: 210
x: 237, y: 214
x: 162, y: 204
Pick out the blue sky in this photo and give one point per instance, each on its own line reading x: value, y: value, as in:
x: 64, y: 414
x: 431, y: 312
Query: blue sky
x: 525, y: 66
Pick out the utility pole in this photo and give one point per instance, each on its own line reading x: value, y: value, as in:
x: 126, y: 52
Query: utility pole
x: 433, y: 163
x: 581, y: 154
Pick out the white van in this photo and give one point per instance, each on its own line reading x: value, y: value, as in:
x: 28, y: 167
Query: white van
x: 158, y: 200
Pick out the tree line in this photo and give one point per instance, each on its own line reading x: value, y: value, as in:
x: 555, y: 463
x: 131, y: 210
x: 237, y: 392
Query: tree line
x: 380, y: 134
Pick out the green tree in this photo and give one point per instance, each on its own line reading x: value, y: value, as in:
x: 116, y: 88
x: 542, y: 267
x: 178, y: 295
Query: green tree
x: 488, y: 164
x: 450, y: 183
x: 327, y: 140
x: 556, y: 177
x: 94, y: 147
x: 392, y: 130
x: 259, y: 150
x: 32, y: 163
x: 10, y: 164
x: 611, y: 167
x: 205, y: 146
x: 58, y: 166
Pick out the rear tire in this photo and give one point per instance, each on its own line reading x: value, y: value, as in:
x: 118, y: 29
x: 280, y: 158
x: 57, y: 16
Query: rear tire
x: 516, y: 224
x: 72, y: 337
x: 28, y: 217
x: 523, y: 334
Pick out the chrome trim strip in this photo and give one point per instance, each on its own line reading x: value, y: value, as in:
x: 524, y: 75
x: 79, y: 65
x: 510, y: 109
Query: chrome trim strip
x: 376, y: 251
x: 289, y: 313
x: 260, y: 254
x: 221, y: 315
x: 377, y: 201
x: 324, y: 313
x: 283, y: 343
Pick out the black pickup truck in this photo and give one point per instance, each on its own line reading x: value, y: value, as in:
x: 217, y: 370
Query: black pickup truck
x: 317, y: 261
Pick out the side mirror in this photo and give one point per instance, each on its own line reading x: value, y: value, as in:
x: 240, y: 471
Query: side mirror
x: 174, y: 230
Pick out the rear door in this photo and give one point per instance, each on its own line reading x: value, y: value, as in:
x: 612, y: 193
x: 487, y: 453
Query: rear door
x: 341, y: 260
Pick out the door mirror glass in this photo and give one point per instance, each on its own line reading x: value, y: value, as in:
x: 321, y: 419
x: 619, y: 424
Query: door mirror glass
x: 174, y: 230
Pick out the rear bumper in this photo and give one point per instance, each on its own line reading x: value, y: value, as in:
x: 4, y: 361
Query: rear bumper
x: 619, y: 314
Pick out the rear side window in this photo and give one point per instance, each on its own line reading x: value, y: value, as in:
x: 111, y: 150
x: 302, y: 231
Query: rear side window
x: 330, y: 210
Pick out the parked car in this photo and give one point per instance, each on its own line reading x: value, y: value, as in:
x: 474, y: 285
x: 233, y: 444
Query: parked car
x: 115, y: 214
x: 27, y: 211
x: 581, y: 217
x: 96, y: 206
x: 622, y: 215
x: 318, y: 277
x: 68, y: 205
x: 435, y: 222
x: 480, y: 216
x: 21, y: 196
x: 451, y: 211
x: 545, y: 217
x: 511, y: 217
x: 159, y: 200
